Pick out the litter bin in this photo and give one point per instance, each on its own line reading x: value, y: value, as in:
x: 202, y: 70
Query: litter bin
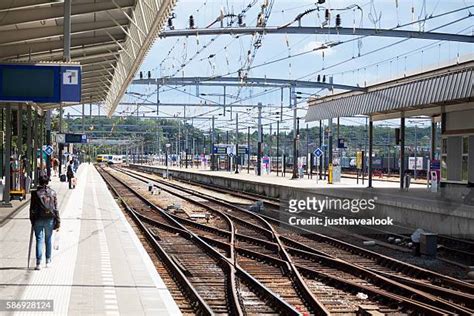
x: 407, y: 181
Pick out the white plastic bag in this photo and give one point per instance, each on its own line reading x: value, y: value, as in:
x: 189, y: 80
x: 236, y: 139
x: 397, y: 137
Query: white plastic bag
x: 56, y: 240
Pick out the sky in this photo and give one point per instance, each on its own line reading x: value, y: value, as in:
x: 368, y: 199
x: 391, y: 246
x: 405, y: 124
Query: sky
x: 352, y: 62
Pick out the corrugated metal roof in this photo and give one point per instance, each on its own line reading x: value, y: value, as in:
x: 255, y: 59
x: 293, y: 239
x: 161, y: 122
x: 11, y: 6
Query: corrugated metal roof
x: 418, y: 92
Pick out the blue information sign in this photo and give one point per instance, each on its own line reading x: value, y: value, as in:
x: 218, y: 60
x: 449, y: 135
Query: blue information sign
x: 341, y: 144
x: 318, y: 152
x: 48, y: 150
x: 40, y: 83
x: 75, y: 139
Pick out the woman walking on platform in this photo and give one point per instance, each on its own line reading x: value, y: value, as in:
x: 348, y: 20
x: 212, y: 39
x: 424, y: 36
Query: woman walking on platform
x: 44, y: 217
x: 70, y: 173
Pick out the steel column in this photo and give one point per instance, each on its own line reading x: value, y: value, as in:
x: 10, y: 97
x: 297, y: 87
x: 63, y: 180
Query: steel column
x: 248, y: 146
x: 433, y: 140
x: 260, y: 140
x: 320, y: 146
x: 35, y: 146
x: 237, y: 154
x: 278, y: 147
x: 7, y: 155
x: 371, y: 145
x: 28, y: 141
x: 213, y: 163
x: 402, y: 152
x: 295, y: 133
x: 19, y: 131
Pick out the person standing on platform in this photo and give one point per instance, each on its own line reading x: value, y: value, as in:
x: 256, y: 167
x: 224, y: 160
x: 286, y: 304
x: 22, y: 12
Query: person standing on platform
x: 70, y: 173
x: 44, y: 217
x: 76, y: 163
x: 55, y: 163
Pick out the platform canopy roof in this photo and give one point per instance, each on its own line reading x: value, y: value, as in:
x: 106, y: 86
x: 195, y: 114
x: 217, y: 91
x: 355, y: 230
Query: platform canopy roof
x: 109, y: 38
x: 428, y: 93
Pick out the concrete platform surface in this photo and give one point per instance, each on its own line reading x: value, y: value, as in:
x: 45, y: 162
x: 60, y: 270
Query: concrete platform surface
x: 101, y: 268
x: 272, y: 178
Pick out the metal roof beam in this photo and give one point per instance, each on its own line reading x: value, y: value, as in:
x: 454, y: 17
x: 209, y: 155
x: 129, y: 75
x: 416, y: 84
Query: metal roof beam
x: 320, y: 30
x: 77, y: 54
x: 56, y: 11
x: 132, y: 20
x: 255, y: 81
x: 99, y: 62
x: 94, y: 72
x: 94, y: 79
x: 22, y: 50
x: 157, y: 17
x: 46, y: 33
x: 197, y: 105
x: 8, y: 6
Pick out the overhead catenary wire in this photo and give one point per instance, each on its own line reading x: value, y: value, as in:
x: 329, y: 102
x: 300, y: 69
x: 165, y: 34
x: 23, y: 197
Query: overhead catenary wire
x: 361, y: 67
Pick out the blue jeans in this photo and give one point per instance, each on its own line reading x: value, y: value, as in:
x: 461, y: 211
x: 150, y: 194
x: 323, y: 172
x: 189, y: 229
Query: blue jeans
x: 43, y: 231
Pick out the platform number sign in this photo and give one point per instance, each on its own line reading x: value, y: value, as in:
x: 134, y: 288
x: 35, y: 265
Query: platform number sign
x: 318, y: 152
x: 231, y: 151
x: 48, y: 150
x: 70, y: 77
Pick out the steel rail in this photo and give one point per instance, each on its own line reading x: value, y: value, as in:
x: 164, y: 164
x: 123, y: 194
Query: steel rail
x: 198, y: 303
x: 380, y: 259
x: 305, y: 291
x: 447, y: 243
x: 282, y: 305
x: 232, y: 296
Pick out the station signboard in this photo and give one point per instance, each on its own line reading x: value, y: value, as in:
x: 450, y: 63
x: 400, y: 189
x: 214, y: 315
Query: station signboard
x: 341, y: 143
x: 40, y: 83
x: 223, y: 149
x: 71, y: 138
x: 243, y: 150
x: 220, y: 149
x: 411, y: 163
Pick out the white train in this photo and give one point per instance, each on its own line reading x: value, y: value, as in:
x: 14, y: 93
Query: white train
x: 110, y: 159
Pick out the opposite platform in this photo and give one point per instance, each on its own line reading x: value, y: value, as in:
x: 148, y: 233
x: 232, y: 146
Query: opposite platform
x: 412, y: 209
x: 100, y: 268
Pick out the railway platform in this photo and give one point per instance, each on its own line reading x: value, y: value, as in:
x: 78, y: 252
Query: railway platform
x: 413, y: 208
x: 100, y: 268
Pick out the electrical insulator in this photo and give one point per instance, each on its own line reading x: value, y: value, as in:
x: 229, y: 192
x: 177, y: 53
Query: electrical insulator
x: 222, y: 14
x: 319, y: 78
x: 149, y: 74
x: 260, y: 20
x: 170, y: 23
x: 191, y: 22
x: 240, y: 20
x: 327, y: 15
x: 141, y: 75
x: 321, y: 1
x: 324, y: 78
x: 338, y: 20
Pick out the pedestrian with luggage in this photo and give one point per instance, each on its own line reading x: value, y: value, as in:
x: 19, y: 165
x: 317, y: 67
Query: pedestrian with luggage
x: 70, y: 173
x: 44, y: 217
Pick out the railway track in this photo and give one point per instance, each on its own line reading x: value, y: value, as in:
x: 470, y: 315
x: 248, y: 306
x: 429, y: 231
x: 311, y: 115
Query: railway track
x: 319, y: 265
x: 456, y: 251
x: 210, y: 281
